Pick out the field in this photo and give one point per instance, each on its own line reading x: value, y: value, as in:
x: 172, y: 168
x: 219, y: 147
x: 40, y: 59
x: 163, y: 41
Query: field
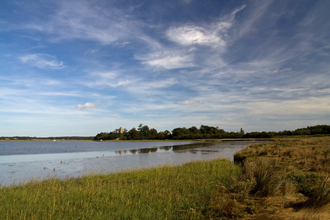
x: 284, y: 179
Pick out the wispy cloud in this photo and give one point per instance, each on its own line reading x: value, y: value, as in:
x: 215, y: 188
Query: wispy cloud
x: 191, y: 102
x: 121, y: 44
x: 168, y: 60
x: 106, y: 78
x: 280, y: 70
x: 42, y: 61
x: 210, y: 35
x: 91, y: 51
x: 87, y: 105
x: 85, y: 20
x: 188, y: 35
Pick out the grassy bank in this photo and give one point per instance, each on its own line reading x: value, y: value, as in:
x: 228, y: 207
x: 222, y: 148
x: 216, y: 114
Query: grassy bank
x: 159, y: 193
x: 287, y: 178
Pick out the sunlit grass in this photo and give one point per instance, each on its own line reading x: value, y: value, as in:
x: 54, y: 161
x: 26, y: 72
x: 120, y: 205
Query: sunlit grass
x: 166, y: 192
x: 295, y: 168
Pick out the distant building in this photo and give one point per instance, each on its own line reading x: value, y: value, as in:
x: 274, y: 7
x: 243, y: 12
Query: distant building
x: 121, y: 130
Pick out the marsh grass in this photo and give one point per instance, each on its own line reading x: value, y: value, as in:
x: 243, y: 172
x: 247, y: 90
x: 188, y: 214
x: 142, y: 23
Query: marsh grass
x: 306, y: 154
x: 166, y: 192
x: 320, y: 195
x: 269, y: 178
x: 294, y: 167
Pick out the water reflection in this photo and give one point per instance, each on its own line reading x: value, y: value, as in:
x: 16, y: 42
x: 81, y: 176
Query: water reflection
x: 175, y: 148
x: 184, y: 148
x: 166, y: 148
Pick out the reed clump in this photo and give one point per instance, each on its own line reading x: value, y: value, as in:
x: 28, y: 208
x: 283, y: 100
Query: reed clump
x: 320, y: 195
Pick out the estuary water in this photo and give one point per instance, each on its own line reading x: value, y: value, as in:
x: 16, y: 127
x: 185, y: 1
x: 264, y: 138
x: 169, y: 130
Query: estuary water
x: 22, y: 160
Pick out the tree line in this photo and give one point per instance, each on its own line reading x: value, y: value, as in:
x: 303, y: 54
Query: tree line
x: 143, y: 132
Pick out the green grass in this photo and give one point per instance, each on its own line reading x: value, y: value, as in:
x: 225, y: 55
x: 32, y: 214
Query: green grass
x: 167, y: 192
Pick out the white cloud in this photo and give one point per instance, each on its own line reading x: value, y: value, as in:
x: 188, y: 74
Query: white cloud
x: 210, y: 35
x: 191, y: 102
x: 188, y: 35
x: 168, y: 59
x: 172, y: 62
x: 87, y: 105
x: 42, y: 61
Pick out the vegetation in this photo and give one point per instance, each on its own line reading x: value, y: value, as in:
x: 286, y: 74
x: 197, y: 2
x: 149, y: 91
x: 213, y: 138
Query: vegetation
x: 204, y: 132
x: 293, y: 172
x: 166, y: 192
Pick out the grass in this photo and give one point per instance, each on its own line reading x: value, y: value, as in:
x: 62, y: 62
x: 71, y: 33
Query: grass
x: 294, y: 171
x: 166, y: 192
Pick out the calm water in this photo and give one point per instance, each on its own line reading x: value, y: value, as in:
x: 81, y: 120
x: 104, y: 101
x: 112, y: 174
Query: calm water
x: 22, y: 160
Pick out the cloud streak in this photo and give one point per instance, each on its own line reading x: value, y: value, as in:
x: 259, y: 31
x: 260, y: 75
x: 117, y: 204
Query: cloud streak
x: 84, y: 20
x: 42, y: 61
x: 191, y: 102
x: 87, y: 105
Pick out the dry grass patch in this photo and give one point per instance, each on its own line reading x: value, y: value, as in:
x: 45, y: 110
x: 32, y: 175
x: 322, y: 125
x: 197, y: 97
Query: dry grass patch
x: 306, y: 154
x: 293, y: 172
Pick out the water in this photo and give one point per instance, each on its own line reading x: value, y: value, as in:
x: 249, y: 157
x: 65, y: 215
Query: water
x: 22, y: 160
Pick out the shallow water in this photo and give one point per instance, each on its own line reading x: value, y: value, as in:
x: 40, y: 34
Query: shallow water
x: 22, y: 160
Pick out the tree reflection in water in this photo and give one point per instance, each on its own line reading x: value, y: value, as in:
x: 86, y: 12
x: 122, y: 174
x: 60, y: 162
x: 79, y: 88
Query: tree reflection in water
x: 175, y: 148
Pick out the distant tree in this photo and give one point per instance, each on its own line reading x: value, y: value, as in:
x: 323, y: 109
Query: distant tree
x: 180, y: 133
x: 153, y: 133
x: 194, y: 129
x: 144, y: 131
x: 241, y: 132
x: 133, y: 134
x: 302, y: 131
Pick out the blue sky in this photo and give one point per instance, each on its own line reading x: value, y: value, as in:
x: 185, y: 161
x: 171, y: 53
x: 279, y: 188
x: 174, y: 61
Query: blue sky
x: 83, y: 67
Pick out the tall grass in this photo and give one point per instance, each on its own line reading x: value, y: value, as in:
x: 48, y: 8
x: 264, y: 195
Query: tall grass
x: 167, y: 192
x: 304, y: 161
x: 320, y: 195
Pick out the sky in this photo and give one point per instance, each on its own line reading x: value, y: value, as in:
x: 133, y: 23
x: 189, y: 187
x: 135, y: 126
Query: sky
x: 84, y: 67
